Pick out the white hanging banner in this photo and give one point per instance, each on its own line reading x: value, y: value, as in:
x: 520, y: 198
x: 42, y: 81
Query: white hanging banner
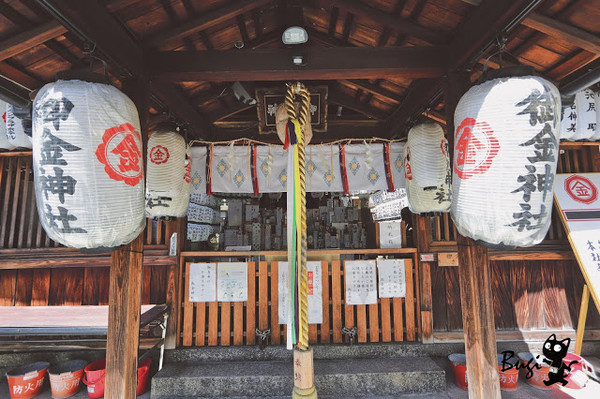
x: 365, y: 167
x: 18, y: 126
x: 315, y: 292
x: 231, y: 169
x: 568, y: 123
x: 198, y: 171
x: 323, y: 172
x: 586, y: 115
x: 232, y: 282
x: 203, y: 282
x: 4, y: 143
x: 361, y: 284
x: 271, y: 169
x: 397, y: 165
x: 392, y: 279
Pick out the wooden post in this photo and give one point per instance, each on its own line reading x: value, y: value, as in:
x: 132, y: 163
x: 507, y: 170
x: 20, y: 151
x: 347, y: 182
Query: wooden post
x: 173, y: 284
x: 426, y: 302
x: 478, y: 320
x: 583, y: 309
x: 124, y: 302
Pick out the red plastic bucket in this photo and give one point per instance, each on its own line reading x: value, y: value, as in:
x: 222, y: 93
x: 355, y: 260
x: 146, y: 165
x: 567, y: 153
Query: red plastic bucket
x: 579, y: 375
x: 94, y: 378
x: 26, y: 381
x: 143, y: 376
x: 539, y: 374
x: 508, y: 378
x: 65, y: 378
x: 459, y: 368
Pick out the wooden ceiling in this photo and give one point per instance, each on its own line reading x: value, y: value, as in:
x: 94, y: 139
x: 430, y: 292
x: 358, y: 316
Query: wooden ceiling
x: 385, y: 62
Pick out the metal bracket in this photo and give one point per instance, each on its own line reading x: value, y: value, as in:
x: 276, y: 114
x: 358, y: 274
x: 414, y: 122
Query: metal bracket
x: 350, y: 332
x: 263, y: 337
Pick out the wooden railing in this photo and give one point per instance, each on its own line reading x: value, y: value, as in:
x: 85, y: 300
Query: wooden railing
x: 235, y: 323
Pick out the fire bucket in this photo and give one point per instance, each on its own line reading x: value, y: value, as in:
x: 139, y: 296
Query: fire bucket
x: 539, y: 374
x: 94, y: 378
x: 580, y: 371
x: 26, y: 381
x: 65, y: 378
x: 143, y: 376
x: 508, y: 378
x: 459, y: 368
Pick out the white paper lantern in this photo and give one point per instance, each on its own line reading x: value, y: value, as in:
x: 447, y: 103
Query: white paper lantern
x: 596, y: 135
x: 568, y: 122
x: 88, y: 165
x: 505, y: 155
x: 427, y: 169
x: 168, y: 176
x: 5, y: 145
x: 18, y: 126
x: 586, y: 115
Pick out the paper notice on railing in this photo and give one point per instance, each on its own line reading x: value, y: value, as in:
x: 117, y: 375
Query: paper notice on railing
x: 361, y: 283
x: 232, y: 282
x: 392, y: 281
x: 203, y: 282
x: 315, y: 292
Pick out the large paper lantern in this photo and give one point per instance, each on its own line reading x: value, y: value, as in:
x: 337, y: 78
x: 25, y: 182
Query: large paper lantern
x: 18, y: 126
x: 505, y: 155
x: 427, y: 169
x: 88, y: 164
x: 5, y: 145
x: 585, y: 101
x: 168, y: 175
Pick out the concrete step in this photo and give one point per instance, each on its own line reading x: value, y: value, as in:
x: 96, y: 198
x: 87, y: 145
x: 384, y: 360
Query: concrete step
x: 336, y: 378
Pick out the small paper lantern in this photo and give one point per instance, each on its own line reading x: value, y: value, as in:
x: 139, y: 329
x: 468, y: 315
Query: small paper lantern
x: 505, y: 155
x: 88, y: 165
x: 5, y: 145
x: 18, y: 126
x: 427, y: 169
x: 168, y: 176
x: 586, y: 115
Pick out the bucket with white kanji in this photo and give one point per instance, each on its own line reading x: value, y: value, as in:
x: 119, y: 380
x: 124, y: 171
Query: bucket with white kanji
x: 509, y: 377
x: 26, y: 381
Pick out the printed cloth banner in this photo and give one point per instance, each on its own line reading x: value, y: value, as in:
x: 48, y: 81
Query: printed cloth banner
x: 397, y: 165
x: 365, y: 167
x: 231, y: 169
x: 323, y: 172
x: 271, y: 169
x: 198, y: 182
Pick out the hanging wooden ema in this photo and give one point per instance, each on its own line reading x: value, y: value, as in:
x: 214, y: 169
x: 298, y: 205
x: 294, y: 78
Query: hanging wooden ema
x: 576, y: 199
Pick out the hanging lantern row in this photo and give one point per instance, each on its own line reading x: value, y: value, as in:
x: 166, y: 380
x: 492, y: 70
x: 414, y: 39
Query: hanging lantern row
x: 15, y: 127
x: 88, y: 166
x: 505, y: 155
x: 580, y: 119
x: 169, y: 174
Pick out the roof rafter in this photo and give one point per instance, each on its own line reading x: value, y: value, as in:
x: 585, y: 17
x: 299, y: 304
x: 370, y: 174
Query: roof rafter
x: 203, y: 22
x: 483, y: 24
x: 321, y: 63
x: 346, y: 101
x: 26, y: 40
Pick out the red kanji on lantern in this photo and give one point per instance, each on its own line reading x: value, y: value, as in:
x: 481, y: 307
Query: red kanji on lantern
x: 476, y: 148
x: 581, y: 189
x: 188, y: 172
x: 407, y: 168
x: 120, y: 154
x: 159, y: 155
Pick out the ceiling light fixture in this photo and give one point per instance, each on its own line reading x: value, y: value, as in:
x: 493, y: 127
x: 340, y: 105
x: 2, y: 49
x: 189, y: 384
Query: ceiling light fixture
x: 294, y: 35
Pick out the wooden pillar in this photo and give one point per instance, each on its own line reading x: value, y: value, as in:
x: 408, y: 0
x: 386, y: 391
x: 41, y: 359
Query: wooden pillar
x: 173, y: 298
x: 422, y: 236
x: 478, y: 319
x: 124, y: 302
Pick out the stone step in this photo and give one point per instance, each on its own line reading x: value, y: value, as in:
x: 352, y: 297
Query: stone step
x: 336, y: 378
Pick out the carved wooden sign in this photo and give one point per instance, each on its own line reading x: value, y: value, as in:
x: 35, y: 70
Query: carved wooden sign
x: 269, y: 99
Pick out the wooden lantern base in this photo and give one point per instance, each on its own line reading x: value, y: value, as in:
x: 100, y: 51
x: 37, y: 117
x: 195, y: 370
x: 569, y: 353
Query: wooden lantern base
x: 304, y: 375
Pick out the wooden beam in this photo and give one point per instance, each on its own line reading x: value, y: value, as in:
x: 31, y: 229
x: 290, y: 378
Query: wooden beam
x: 229, y: 110
x: 473, y: 35
x: 321, y: 64
x: 181, y: 107
x: 478, y: 320
x: 335, y: 132
x: 203, y: 22
x: 124, y: 304
x: 92, y: 19
x: 333, y: 18
x: 26, y: 40
x: 389, y: 20
x: 353, y: 104
x: 563, y: 31
x: 374, y: 89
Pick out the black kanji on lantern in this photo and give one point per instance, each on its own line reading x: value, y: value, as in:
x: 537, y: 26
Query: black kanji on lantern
x: 58, y: 184
x: 54, y: 111
x: 539, y: 106
x: 52, y: 149
x: 524, y: 217
x: 64, y: 218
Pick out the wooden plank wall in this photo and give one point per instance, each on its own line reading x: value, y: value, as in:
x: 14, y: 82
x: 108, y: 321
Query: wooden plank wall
x: 528, y: 294
x: 234, y: 323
